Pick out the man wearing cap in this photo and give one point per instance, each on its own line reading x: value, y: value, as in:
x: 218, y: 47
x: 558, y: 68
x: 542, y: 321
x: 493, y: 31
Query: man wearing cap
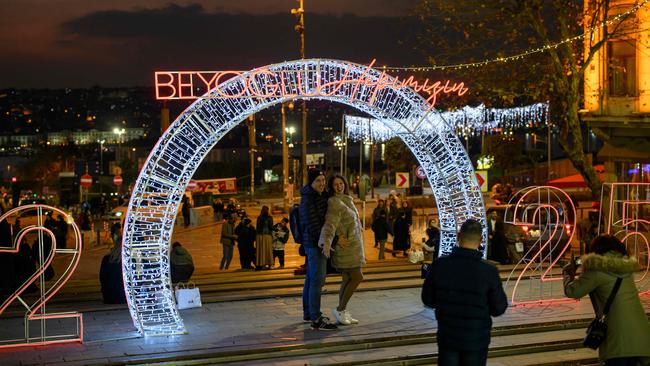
x: 313, y: 207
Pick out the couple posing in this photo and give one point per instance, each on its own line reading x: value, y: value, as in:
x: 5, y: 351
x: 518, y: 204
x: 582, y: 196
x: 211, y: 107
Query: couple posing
x: 330, y: 227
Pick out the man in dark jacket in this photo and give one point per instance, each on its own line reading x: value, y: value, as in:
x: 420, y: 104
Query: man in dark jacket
x: 465, y: 291
x: 313, y: 207
x: 381, y: 229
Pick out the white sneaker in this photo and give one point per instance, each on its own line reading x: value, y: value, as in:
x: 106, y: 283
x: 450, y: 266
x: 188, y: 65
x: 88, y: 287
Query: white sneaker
x: 340, y: 317
x: 349, y: 317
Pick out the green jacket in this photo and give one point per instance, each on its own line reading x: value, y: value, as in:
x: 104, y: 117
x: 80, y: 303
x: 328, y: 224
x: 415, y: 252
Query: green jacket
x: 180, y: 256
x: 228, y: 236
x: 342, y: 219
x: 628, y: 329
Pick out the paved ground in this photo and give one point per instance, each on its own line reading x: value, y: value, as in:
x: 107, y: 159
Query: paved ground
x: 226, y: 326
x: 203, y: 243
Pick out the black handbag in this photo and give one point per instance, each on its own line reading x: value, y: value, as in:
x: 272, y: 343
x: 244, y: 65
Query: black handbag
x: 597, y: 330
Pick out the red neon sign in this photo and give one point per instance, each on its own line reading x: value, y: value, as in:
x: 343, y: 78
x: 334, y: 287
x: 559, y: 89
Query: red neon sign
x: 172, y: 85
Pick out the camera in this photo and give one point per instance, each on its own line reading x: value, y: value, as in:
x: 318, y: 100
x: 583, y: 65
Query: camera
x: 576, y: 261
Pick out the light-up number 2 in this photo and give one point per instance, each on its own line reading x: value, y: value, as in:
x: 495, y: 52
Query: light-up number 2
x: 552, y: 212
x: 35, y: 315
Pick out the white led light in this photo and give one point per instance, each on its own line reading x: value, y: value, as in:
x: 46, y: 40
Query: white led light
x: 465, y: 121
x: 158, y: 190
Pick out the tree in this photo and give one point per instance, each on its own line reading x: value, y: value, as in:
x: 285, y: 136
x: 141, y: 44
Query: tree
x: 398, y: 156
x: 476, y: 31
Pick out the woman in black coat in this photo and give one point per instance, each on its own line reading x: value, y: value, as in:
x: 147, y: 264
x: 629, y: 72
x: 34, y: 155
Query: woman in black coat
x: 401, y: 234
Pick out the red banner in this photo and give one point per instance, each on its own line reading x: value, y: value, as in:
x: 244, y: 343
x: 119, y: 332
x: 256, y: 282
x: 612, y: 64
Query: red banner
x: 215, y: 186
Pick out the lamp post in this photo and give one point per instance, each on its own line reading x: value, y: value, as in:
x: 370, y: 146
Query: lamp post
x: 290, y: 130
x: 251, y: 144
x: 119, y: 132
x: 285, y: 158
x: 101, y: 165
x: 300, y: 28
x: 285, y: 161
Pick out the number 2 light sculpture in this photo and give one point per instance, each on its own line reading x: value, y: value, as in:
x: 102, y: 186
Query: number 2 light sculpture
x: 40, y: 326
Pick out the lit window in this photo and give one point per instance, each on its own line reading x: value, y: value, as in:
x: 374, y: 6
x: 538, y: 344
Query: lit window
x: 621, y: 62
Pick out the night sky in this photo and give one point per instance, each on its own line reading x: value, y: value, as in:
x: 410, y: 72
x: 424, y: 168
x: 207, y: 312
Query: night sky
x: 82, y: 43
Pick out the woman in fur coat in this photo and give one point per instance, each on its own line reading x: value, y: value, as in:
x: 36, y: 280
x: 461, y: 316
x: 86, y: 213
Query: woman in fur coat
x: 342, y: 221
x: 628, y: 330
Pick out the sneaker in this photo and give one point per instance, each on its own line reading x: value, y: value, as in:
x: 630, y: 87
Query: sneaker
x: 349, y: 317
x: 340, y: 317
x: 306, y: 319
x: 323, y: 323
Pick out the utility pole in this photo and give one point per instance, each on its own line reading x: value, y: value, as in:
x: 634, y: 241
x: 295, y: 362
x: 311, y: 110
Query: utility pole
x: 548, y: 150
x: 251, y: 150
x: 285, y: 160
x: 372, y: 164
x: 101, y: 167
x: 300, y: 28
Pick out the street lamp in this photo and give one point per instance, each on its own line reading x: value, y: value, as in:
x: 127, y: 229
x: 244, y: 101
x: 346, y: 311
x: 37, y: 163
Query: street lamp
x: 290, y: 130
x: 119, y: 132
x: 340, y: 144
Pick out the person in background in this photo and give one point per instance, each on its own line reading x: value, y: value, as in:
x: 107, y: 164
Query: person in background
x: 246, y: 243
x: 264, y: 240
x: 628, y: 331
x: 61, y: 232
x: 392, y: 209
x: 181, y: 263
x: 497, y: 250
x: 280, y: 238
x: 381, y: 229
x: 465, y: 292
x: 228, y: 238
x: 381, y: 206
x: 185, y: 210
x: 218, y: 208
x: 401, y: 234
x: 433, y: 239
x: 408, y: 212
x: 342, y: 221
x: 116, y: 232
x: 110, y: 276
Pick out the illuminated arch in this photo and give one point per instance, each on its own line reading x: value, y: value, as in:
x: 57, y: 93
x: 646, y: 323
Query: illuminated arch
x: 172, y: 162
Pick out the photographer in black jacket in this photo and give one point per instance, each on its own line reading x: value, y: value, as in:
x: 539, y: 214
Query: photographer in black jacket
x: 465, y: 291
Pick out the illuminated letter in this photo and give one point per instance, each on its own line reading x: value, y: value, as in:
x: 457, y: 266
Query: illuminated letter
x: 168, y: 84
x: 259, y: 93
x: 217, y: 84
x: 182, y: 85
x: 207, y: 83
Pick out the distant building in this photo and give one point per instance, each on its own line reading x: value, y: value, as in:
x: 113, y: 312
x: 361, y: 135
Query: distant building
x: 617, y: 93
x: 93, y: 136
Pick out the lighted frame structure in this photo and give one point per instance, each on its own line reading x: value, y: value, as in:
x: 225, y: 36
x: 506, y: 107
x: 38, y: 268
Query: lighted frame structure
x: 625, y: 213
x: 159, y: 188
x: 551, y: 211
x: 36, y: 311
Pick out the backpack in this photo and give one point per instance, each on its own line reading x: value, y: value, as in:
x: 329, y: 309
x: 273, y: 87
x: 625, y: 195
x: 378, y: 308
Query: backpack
x: 294, y: 224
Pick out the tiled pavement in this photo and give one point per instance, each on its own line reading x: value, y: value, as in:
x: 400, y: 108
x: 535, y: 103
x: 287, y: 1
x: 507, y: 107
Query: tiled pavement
x: 228, y: 326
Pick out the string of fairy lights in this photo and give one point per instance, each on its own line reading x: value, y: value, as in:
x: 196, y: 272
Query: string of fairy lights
x: 466, y: 122
x: 521, y: 55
